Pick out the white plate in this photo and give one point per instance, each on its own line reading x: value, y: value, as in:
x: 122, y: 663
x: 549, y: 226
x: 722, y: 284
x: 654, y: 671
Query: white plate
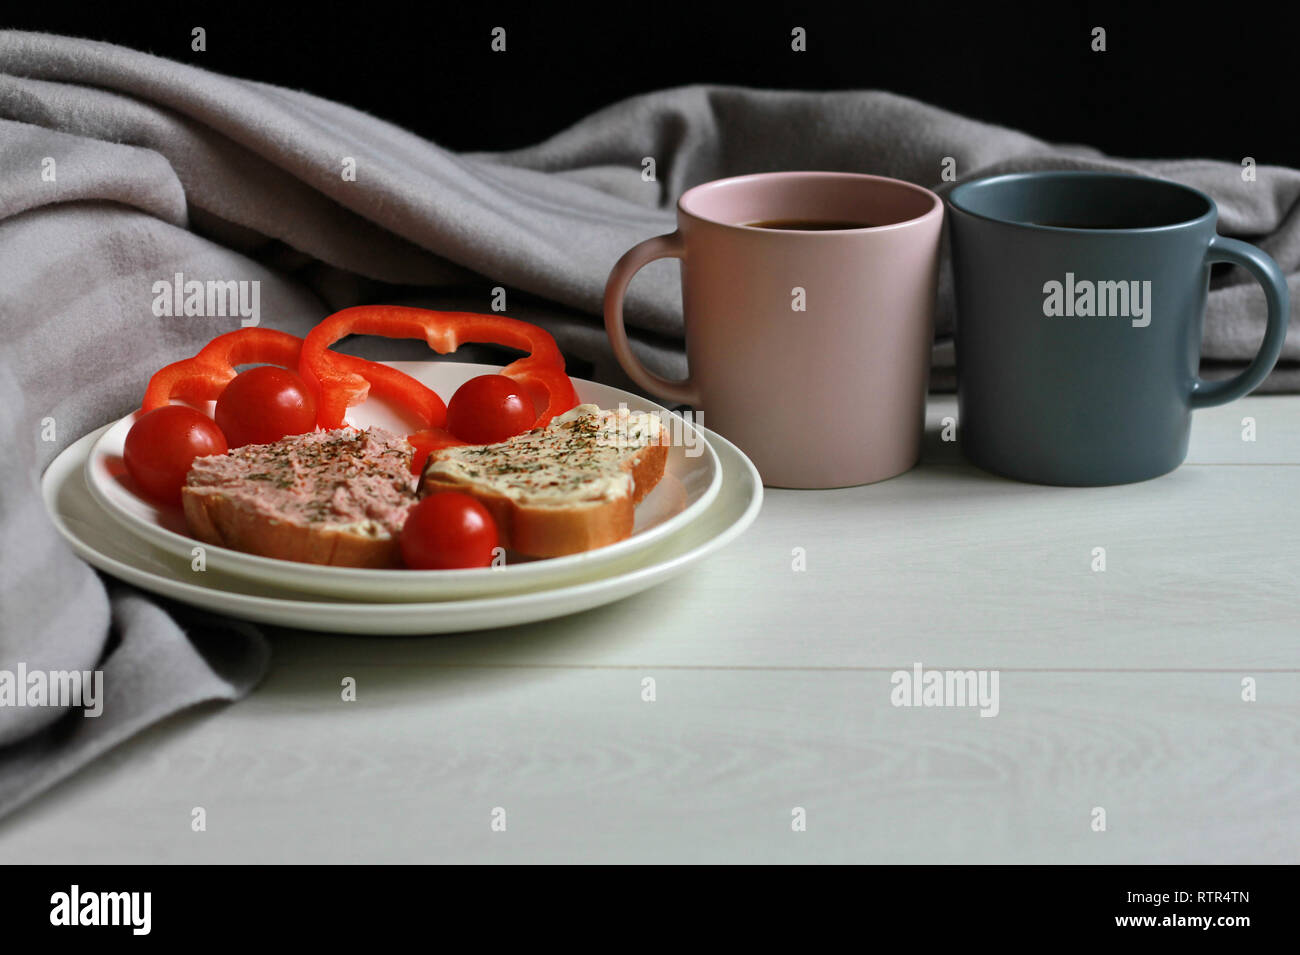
x: 99, y: 540
x: 690, y: 484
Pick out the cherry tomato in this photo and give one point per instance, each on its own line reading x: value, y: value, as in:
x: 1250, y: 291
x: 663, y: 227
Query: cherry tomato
x: 265, y: 404
x: 448, y: 530
x: 161, y: 446
x: 490, y: 408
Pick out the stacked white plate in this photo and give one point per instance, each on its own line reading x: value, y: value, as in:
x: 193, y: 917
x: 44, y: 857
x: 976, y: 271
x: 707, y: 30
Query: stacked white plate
x: 709, y: 494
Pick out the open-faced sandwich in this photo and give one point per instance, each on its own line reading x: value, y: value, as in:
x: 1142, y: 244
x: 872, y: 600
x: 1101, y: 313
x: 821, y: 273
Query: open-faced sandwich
x: 326, y: 497
x: 566, y: 488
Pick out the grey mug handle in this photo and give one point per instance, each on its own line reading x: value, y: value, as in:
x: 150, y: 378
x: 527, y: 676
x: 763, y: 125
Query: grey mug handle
x: 1206, y: 394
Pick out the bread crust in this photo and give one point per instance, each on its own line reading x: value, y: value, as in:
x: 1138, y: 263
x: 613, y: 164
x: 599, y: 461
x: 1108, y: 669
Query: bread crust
x: 558, y: 530
x: 216, y: 519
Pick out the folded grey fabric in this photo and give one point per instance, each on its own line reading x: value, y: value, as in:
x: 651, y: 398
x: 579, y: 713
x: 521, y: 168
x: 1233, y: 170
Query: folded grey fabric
x: 120, y: 170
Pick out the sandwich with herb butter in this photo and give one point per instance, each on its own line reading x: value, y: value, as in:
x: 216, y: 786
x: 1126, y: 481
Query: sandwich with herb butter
x: 569, y: 487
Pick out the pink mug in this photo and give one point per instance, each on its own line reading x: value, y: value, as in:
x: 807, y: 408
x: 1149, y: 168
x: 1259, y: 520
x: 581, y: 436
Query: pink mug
x: 807, y: 337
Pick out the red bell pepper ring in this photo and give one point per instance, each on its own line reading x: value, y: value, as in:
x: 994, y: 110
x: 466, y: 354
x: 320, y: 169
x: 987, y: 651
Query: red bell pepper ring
x: 396, y: 387
x: 338, y: 387
x: 203, y: 377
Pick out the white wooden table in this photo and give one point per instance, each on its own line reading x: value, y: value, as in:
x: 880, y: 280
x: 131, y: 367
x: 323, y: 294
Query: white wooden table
x: 1120, y: 689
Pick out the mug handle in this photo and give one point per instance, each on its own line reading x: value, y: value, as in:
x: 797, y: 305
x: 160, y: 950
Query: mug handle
x: 636, y: 258
x: 1206, y: 394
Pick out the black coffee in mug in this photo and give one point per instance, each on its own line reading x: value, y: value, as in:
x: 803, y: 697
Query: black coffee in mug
x: 810, y: 225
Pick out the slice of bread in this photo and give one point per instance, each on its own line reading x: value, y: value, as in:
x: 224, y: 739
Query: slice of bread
x: 563, y: 489
x: 326, y: 497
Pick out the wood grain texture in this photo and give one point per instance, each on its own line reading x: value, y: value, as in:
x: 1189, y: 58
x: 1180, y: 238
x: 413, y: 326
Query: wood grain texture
x: 957, y: 569
x: 1118, y: 689
x: 710, y: 771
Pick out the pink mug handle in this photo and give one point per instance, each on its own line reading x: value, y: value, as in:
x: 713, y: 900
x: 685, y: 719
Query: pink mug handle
x: 640, y: 255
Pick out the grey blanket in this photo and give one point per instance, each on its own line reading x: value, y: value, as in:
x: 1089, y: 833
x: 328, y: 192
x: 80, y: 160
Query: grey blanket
x: 119, y: 170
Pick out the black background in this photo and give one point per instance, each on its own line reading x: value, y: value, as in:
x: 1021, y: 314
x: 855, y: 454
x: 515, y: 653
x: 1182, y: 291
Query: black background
x: 1177, y: 80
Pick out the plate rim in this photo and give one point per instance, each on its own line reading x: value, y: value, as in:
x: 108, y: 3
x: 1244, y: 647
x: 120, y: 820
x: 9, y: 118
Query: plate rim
x: 540, y: 599
x: 529, y: 574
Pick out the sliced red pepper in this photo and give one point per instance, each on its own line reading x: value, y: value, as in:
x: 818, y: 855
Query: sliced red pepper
x: 345, y: 380
x: 339, y: 387
x: 396, y: 387
x: 203, y: 377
